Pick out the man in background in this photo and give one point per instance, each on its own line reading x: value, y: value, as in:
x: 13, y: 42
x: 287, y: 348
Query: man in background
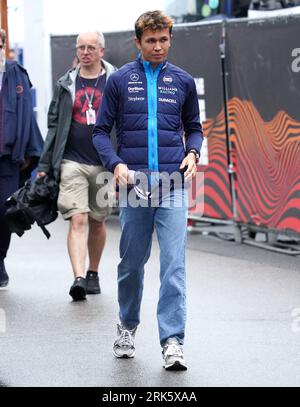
x: 69, y: 155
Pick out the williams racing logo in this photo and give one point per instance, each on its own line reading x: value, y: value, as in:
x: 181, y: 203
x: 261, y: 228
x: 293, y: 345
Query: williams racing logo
x: 168, y: 80
x: 165, y: 90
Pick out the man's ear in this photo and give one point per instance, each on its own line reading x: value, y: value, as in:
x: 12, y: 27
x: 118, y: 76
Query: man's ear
x: 137, y: 43
x: 102, y: 51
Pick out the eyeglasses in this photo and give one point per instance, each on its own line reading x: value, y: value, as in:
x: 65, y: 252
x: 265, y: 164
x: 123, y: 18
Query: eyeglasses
x: 156, y: 186
x: 145, y: 182
x: 89, y: 48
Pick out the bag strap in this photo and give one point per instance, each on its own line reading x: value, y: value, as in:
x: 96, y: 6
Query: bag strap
x: 45, y: 231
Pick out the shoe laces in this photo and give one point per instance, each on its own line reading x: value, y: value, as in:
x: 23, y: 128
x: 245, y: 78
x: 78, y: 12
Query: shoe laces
x: 125, y: 338
x: 173, y: 350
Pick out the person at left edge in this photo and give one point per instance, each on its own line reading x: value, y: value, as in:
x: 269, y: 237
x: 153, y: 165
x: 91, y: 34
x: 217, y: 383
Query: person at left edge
x: 21, y: 142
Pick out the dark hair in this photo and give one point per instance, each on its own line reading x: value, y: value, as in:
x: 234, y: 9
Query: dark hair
x: 3, y: 36
x: 152, y: 20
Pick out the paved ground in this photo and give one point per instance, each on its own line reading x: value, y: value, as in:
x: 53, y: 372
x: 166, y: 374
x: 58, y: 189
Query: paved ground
x: 241, y: 331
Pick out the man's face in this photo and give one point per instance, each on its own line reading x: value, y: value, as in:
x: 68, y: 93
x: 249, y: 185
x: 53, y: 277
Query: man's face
x: 89, y: 51
x: 154, y: 45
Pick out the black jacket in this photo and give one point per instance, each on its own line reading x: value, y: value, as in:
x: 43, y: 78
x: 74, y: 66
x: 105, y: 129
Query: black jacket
x: 35, y: 202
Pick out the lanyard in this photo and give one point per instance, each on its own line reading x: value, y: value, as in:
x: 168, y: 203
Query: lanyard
x: 89, y: 99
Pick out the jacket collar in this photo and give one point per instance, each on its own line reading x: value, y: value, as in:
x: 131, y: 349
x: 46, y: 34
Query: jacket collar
x: 11, y: 65
x: 69, y: 79
x: 140, y: 63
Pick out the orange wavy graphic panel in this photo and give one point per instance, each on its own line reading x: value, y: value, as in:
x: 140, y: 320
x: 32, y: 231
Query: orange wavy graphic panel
x: 267, y: 164
x: 216, y: 193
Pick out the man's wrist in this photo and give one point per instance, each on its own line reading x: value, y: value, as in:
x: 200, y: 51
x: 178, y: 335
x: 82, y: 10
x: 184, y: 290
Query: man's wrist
x: 196, y: 154
x: 116, y: 164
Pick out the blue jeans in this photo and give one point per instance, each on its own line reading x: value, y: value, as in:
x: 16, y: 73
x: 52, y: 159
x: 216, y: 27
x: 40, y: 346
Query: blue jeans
x: 135, y: 248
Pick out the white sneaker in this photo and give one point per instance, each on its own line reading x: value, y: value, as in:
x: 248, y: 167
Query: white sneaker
x: 173, y: 355
x: 124, y: 345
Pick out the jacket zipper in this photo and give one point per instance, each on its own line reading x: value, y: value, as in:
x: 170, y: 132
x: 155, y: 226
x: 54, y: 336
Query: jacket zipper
x: 152, y: 79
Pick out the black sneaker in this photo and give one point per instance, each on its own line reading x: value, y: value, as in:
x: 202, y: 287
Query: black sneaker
x: 78, y: 289
x: 92, y: 283
x: 4, y: 279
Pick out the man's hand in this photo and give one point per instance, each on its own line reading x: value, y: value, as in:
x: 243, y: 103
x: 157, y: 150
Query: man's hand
x: 121, y: 175
x: 41, y: 174
x: 191, y: 167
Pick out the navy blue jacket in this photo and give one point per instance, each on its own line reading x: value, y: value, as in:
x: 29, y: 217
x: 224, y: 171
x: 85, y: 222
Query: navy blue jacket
x: 152, y: 111
x: 19, y: 134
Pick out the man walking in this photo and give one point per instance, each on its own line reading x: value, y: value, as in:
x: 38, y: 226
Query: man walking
x: 70, y: 156
x: 21, y: 142
x: 153, y: 104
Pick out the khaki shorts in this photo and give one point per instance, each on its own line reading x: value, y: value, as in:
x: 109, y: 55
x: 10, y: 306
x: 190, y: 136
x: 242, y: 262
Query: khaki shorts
x: 79, y: 189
